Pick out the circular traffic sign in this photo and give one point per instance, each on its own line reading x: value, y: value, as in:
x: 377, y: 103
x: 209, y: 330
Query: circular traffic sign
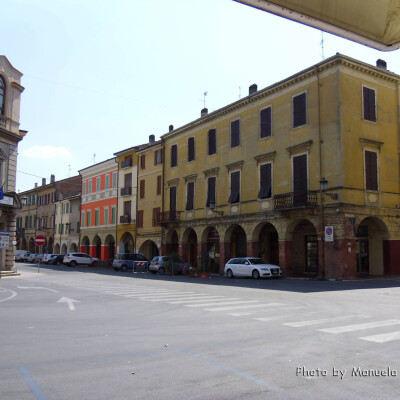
x: 40, y: 240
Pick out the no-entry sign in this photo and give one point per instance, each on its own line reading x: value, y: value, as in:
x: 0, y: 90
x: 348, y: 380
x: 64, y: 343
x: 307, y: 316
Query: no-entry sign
x: 40, y: 240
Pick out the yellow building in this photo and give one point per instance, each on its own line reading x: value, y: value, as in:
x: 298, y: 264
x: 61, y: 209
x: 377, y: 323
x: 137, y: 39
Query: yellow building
x: 127, y: 201
x: 150, y: 173
x: 285, y: 170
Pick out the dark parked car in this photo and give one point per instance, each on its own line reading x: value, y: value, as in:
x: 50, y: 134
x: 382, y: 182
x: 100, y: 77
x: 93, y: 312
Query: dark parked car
x: 125, y: 261
x: 163, y: 264
x: 56, y: 259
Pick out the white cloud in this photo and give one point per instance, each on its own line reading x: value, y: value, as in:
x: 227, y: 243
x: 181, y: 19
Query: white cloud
x: 46, y: 152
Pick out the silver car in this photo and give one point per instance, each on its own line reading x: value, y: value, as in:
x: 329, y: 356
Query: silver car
x: 251, y: 267
x: 163, y: 264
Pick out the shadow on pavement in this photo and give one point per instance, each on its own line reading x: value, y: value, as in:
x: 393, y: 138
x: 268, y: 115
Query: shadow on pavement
x: 282, y: 284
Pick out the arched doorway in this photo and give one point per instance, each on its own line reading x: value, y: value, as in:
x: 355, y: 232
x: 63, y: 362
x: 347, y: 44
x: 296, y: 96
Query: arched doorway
x: 305, y: 248
x: 109, y: 249
x: 172, y: 245
x: 370, y: 236
x: 57, y: 249
x: 85, y: 245
x: 32, y: 246
x: 149, y: 249
x: 189, y: 247
x: 64, y: 249
x: 50, y: 245
x: 97, y: 244
x: 126, y: 244
x: 268, y: 245
x: 238, y: 241
x: 73, y: 248
x: 212, y: 250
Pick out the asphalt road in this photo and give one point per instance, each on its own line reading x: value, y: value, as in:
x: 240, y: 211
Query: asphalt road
x: 83, y: 333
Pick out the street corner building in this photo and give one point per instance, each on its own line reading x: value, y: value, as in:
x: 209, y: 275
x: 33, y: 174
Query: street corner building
x: 267, y: 175
x: 10, y: 136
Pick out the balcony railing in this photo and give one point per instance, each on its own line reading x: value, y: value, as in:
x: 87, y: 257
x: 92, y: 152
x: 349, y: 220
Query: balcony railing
x: 126, y: 191
x: 169, y: 216
x: 126, y: 163
x: 125, y: 219
x: 286, y: 201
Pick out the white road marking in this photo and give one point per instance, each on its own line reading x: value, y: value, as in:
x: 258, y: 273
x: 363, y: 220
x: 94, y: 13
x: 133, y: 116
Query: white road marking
x: 299, y: 324
x: 37, y: 287
x: 241, y: 307
x: 385, y: 337
x: 225, y: 302
x: 196, y: 299
x: 359, y: 327
x: 275, y: 317
x: 70, y: 302
x: 161, y: 297
x: 278, y: 309
x: 12, y: 295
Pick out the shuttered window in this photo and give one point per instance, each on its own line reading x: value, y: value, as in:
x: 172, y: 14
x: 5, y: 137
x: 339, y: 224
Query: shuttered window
x: 157, y: 157
x: 212, y: 141
x: 2, y: 95
x: 156, y: 216
x: 300, y: 181
x: 143, y: 161
x: 369, y: 104
x: 190, y: 196
x: 139, y: 222
x: 265, y: 123
x: 211, y: 184
x: 235, y: 187
x: 142, y: 188
x: 371, y: 170
x: 172, y: 198
x: 299, y: 110
x: 265, y: 181
x: 159, y: 184
x: 174, y: 155
x: 191, y: 149
x: 235, y: 133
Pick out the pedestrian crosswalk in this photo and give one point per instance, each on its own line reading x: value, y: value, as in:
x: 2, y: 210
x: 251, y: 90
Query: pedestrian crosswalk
x: 285, y: 314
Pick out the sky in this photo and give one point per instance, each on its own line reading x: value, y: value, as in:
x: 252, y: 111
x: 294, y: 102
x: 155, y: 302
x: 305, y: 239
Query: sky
x: 100, y: 76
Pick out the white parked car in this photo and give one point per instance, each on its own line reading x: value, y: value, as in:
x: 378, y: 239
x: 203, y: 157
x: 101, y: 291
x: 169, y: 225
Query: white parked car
x: 73, y: 259
x: 251, y: 266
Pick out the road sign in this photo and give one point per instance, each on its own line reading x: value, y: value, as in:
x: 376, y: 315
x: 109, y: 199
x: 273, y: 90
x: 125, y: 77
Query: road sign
x: 4, y: 239
x: 40, y: 240
x: 329, y: 234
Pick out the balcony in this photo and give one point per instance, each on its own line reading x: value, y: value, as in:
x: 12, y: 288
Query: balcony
x: 126, y: 191
x: 125, y: 219
x: 291, y: 200
x: 126, y: 163
x: 168, y: 217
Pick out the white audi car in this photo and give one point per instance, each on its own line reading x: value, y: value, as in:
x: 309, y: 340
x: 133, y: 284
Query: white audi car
x: 252, y: 267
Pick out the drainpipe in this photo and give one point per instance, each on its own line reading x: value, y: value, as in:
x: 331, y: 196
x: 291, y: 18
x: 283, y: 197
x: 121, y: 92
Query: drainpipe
x: 322, y: 272
x: 162, y: 189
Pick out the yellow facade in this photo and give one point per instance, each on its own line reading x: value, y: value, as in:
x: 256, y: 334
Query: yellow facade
x: 150, y: 172
x: 320, y: 130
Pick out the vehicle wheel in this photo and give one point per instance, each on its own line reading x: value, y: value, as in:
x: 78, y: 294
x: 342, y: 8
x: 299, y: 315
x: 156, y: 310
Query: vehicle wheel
x: 255, y: 274
x: 153, y: 272
x: 229, y: 273
x: 124, y: 268
x: 94, y: 264
x: 73, y: 264
x: 161, y: 270
x: 116, y: 269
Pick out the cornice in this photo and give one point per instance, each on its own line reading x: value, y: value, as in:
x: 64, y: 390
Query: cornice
x: 301, y: 76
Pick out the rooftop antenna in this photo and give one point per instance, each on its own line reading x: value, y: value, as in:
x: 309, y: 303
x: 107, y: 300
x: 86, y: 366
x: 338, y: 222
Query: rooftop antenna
x: 322, y: 43
x: 240, y: 92
x: 204, y: 99
x: 69, y: 170
x: 94, y: 158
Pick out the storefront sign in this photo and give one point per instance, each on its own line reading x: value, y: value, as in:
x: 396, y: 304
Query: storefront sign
x: 4, y: 239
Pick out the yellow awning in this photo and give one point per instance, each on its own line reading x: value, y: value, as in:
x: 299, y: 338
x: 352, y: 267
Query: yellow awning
x: 374, y: 23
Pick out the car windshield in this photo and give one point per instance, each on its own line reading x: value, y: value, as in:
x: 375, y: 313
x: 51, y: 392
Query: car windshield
x: 256, y: 261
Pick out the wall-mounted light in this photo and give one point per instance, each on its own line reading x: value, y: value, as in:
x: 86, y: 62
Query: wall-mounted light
x: 213, y: 209
x: 323, y: 185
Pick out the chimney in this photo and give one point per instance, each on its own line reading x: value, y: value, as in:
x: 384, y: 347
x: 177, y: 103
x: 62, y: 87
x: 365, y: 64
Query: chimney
x: 52, y: 178
x: 171, y: 128
x: 252, y: 89
x: 204, y: 112
x: 381, y: 64
x: 43, y: 181
x: 152, y: 139
x: 36, y: 185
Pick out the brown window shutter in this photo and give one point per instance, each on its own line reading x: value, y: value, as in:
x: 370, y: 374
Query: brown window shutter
x: 142, y: 188
x: 265, y: 123
x: 159, y: 184
x: 371, y: 170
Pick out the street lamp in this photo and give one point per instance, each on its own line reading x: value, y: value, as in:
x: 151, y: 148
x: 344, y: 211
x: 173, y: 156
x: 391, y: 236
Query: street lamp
x: 324, y: 185
x: 212, y: 208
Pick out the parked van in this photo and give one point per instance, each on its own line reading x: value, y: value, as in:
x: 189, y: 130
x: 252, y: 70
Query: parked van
x: 22, y: 255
